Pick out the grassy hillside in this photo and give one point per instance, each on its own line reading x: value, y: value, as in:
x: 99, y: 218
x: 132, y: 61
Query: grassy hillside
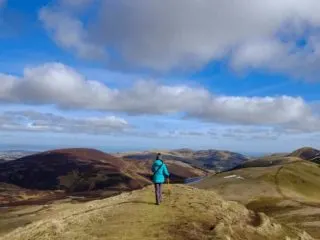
x: 299, y: 179
x: 279, y: 190
x: 302, y: 154
x: 187, y: 213
x: 268, y: 161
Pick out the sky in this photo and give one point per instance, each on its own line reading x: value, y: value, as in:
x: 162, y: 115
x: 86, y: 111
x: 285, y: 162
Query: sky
x: 124, y: 75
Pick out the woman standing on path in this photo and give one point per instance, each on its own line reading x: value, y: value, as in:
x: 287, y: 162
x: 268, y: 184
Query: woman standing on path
x: 160, y: 172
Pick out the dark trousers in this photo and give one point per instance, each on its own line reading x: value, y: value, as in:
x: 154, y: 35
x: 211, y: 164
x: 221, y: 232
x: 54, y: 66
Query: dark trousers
x: 158, y: 192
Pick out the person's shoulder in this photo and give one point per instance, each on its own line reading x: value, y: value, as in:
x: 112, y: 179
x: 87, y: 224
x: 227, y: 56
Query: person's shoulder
x: 163, y: 163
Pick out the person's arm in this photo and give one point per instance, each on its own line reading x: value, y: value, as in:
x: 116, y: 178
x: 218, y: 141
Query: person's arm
x: 165, y: 171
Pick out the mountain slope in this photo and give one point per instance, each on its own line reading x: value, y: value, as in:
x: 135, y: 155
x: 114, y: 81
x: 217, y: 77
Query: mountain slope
x: 72, y: 170
x: 210, y: 159
x: 302, y: 154
x: 268, y: 161
x: 297, y: 179
x: 86, y: 172
x: 307, y: 153
x: 186, y: 213
x: 285, y: 191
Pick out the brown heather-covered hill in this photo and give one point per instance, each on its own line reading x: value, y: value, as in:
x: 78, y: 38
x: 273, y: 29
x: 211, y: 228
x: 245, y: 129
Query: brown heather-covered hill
x: 80, y: 171
x: 71, y: 170
x: 307, y: 153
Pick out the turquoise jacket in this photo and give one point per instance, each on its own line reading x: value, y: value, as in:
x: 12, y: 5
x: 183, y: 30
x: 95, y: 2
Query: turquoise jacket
x: 160, y: 171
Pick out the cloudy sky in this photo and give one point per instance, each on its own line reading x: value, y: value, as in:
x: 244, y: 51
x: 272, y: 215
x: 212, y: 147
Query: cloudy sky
x: 241, y: 75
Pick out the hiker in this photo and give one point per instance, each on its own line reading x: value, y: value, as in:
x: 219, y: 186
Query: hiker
x: 160, y: 172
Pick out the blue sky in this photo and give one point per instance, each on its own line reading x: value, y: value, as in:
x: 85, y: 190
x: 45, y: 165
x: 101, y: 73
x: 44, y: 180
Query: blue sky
x: 123, y: 76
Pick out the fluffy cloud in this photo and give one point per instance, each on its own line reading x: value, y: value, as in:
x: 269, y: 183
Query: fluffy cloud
x: 47, y: 122
x: 69, y: 33
x: 297, y: 61
x: 185, y: 34
x: 61, y: 86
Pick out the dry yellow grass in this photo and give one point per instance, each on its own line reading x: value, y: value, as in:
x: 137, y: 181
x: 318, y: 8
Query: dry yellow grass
x: 279, y: 191
x: 186, y: 213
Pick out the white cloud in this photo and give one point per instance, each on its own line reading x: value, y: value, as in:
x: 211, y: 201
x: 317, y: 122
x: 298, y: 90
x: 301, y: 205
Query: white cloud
x: 280, y: 57
x: 263, y: 110
x: 187, y: 34
x: 61, y: 86
x: 69, y: 32
x: 47, y: 122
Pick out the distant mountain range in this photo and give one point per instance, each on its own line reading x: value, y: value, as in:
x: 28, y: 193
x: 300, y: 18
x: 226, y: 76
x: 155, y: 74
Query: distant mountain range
x: 209, y: 159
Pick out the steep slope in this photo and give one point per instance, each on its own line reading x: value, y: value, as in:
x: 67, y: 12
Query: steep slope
x: 279, y: 190
x: 71, y: 170
x: 210, y: 159
x: 186, y: 213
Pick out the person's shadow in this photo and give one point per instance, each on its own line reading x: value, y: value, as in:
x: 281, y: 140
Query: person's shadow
x: 138, y: 202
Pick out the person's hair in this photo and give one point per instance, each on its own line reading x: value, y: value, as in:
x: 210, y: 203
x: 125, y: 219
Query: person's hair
x: 158, y: 156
